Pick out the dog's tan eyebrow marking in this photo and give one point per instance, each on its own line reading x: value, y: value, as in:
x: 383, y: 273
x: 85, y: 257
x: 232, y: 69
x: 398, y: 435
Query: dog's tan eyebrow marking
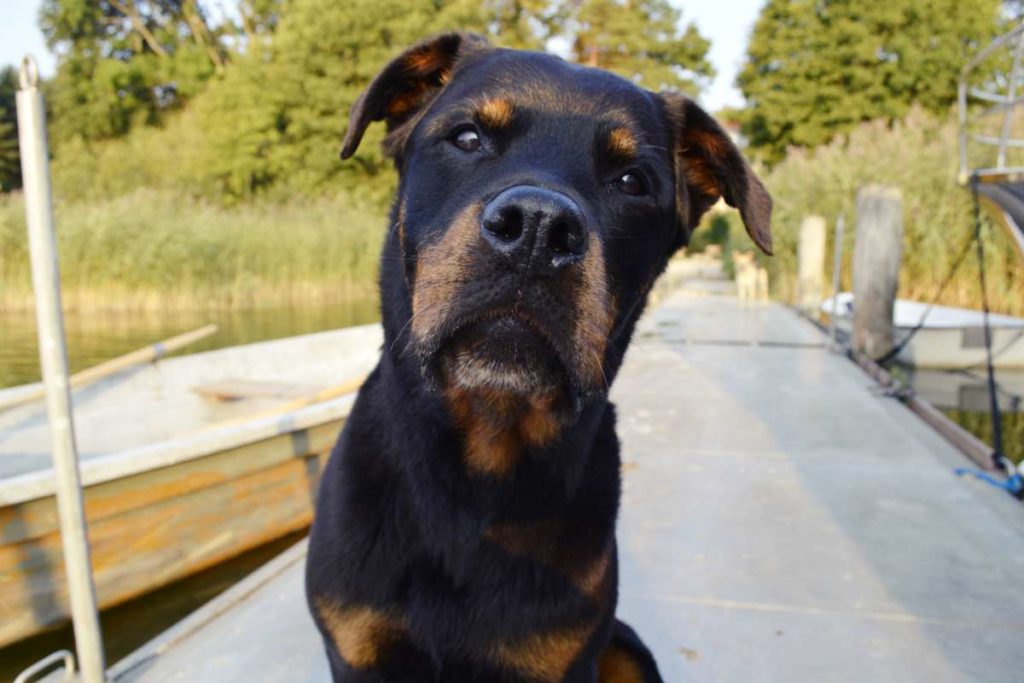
x: 622, y: 143
x: 495, y: 112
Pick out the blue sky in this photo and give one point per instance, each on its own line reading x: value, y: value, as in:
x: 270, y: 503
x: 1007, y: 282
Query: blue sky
x: 726, y: 22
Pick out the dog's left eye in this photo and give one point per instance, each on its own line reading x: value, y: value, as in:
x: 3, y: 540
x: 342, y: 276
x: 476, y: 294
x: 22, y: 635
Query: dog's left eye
x: 467, y: 139
x: 631, y: 183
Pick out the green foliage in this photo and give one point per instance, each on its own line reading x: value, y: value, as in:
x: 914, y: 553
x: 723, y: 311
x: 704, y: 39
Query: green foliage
x: 817, y: 68
x: 918, y: 155
x: 644, y: 41
x: 270, y: 125
x: 277, y: 118
x: 10, y: 157
x: 153, y: 250
x: 127, y: 63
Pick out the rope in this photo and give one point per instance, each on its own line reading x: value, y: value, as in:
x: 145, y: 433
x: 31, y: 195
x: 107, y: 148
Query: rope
x: 1013, y: 485
x: 895, y: 350
x: 1014, y: 482
x: 999, y: 458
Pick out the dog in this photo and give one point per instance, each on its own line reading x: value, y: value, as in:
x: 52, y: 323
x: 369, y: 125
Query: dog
x: 465, y: 521
x: 751, y: 277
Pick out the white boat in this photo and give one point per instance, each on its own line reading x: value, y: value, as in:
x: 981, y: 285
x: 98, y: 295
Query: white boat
x: 950, y: 337
x: 185, y: 463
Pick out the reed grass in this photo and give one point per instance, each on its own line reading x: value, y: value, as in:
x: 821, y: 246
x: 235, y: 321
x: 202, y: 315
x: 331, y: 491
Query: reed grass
x: 153, y: 251
x: 918, y: 155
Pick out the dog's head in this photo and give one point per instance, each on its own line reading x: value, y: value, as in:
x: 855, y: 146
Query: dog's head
x: 538, y: 201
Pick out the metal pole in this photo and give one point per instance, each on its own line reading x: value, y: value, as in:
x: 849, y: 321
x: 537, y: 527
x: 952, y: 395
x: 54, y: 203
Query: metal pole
x: 35, y: 169
x: 837, y: 269
x: 961, y: 100
x: 1011, y: 94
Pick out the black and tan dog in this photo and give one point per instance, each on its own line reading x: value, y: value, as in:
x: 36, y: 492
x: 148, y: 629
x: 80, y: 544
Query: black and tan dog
x: 465, y: 528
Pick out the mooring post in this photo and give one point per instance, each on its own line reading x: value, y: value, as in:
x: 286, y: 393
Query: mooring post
x: 35, y: 170
x: 811, y: 263
x: 837, y: 271
x: 876, y: 267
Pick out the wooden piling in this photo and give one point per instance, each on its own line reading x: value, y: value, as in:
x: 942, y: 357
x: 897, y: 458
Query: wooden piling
x: 811, y: 258
x: 876, y: 267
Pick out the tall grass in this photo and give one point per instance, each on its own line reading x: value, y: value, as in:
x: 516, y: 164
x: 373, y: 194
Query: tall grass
x: 153, y: 250
x: 918, y: 155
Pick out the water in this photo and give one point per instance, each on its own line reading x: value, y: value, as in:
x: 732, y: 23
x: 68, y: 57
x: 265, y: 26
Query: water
x: 96, y: 338
x: 963, y: 397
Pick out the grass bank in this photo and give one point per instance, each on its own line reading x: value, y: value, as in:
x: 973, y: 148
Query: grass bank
x: 152, y: 250
x: 918, y: 155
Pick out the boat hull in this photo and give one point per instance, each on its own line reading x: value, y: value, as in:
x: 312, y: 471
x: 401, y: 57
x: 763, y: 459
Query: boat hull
x: 157, y: 526
x: 950, y: 338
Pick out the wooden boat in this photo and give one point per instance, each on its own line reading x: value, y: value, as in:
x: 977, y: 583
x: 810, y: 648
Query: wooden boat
x: 951, y: 338
x: 176, y: 478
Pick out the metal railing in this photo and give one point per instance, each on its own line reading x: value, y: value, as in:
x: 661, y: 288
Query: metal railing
x: 1001, y: 91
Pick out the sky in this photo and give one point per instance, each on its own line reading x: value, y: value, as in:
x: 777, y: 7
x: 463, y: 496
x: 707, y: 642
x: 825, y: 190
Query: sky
x: 726, y: 22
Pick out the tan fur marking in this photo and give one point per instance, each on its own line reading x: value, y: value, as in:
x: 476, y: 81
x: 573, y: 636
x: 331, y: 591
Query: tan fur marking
x: 622, y: 143
x: 698, y: 148
x: 544, y: 656
x: 409, y: 101
x: 590, y: 579
x: 700, y: 174
x: 498, y: 426
x: 495, y: 113
x: 549, y: 544
x: 595, y: 315
x: 426, y: 61
x: 440, y: 269
x: 539, y: 426
x: 358, y: 632
x: 616, y: 666
x: 710, y: 143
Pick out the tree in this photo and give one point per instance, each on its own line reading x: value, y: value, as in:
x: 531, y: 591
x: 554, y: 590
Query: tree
x: 817, y: 68
x: 10, y: 157
x: 277, y: 117
x: 644, y: 41
x: 124, y: 63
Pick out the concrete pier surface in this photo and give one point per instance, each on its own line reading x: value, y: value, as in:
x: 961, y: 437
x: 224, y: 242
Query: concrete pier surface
x: 782, y: 520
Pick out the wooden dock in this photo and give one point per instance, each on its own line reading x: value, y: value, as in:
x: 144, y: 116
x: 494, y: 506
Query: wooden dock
x: 782, y: 520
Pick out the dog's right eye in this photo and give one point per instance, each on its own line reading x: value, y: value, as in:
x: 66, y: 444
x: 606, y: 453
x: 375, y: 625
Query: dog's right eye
x: 467, y: 139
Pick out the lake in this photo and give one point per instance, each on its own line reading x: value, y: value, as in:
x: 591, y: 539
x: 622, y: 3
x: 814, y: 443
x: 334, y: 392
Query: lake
x: 96, y: 338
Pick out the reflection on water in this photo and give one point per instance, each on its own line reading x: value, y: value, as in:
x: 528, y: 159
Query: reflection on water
x: 963, y: 397
x: 96, y: 338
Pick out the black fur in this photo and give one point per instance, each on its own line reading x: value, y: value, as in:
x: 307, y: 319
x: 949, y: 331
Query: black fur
x: 404, y: 533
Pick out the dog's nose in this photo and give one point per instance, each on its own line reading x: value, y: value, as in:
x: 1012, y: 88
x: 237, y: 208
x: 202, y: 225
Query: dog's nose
x: 535, y: 226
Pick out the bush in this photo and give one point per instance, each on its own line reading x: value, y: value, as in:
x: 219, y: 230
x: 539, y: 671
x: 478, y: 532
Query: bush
x: 153, y: 250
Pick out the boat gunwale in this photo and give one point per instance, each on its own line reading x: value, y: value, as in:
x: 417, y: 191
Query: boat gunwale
x: 40, y: 483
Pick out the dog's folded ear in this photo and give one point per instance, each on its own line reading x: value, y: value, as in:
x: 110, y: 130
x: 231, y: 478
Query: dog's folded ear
x: 407, y: 83
x: 708, y: 167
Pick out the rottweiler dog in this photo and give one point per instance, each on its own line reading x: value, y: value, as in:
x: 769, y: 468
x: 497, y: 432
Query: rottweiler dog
x: 465, y: 524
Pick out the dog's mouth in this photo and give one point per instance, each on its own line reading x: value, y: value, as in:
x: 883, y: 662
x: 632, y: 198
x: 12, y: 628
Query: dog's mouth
x: 502, y: 350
